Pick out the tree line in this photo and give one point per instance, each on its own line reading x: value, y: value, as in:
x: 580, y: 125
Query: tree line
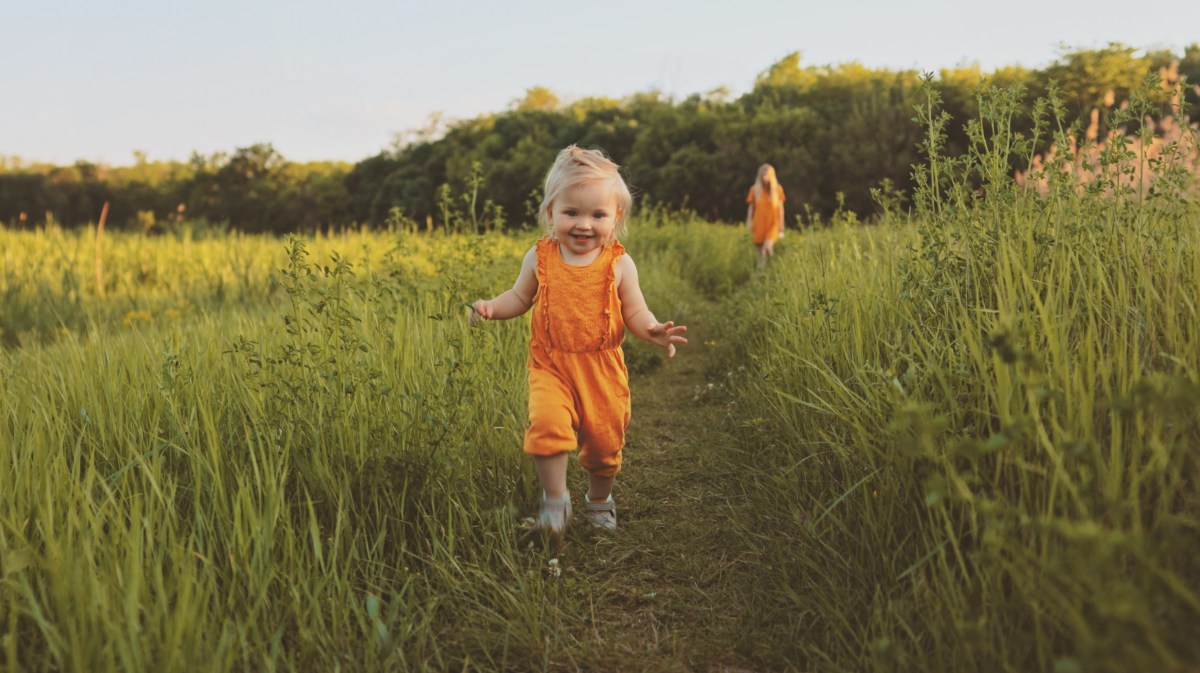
x: 832, y: 132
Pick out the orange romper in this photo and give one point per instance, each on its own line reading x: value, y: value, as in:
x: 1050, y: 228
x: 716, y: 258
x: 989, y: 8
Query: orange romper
x: 578, y: 384
x: 766, y: 216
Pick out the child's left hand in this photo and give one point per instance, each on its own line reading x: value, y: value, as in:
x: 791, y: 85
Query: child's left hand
x: 666, y: 334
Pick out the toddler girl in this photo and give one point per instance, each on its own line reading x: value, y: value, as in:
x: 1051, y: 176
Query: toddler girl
x: 584, y: 292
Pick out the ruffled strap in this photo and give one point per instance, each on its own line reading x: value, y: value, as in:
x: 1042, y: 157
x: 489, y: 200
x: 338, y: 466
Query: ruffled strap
x: 545, y: 246
x: 610, y: 297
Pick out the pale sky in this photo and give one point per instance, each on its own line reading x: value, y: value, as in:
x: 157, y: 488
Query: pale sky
x: 323, y: 80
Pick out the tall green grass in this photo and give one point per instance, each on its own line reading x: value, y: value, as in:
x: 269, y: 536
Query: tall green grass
x: 324, y: 474
x: 49, y: 283
x: 964, y: 442
x: 974, y: 439
x: 278, y: 492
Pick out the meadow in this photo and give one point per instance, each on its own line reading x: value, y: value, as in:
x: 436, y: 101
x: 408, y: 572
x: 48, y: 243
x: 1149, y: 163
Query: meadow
x: 963, y: 437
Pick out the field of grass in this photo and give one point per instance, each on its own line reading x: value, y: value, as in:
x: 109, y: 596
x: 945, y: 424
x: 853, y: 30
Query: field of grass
x: 976, y: 443
x: 961, y: 440
x: 326, y: 471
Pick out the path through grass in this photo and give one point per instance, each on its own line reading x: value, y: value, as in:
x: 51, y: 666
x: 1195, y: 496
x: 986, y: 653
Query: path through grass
x: 666, y: 590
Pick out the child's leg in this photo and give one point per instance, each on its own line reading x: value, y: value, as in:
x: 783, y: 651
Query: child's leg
x: 599, y: 488
x: 552, y: 474
x: 555, y: 513
x: 550, y: 436
x: 600, y: 454
x: 600, y: 508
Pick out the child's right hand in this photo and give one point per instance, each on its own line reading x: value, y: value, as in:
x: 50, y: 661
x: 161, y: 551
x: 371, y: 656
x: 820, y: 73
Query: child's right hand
x: 480, y: 310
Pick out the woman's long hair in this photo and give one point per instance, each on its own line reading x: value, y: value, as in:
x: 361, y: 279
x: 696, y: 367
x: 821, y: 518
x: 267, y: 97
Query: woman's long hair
x: 766, y: 180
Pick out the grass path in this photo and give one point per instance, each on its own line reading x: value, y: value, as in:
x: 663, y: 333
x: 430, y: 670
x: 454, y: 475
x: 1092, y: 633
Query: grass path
x: 665, y: 589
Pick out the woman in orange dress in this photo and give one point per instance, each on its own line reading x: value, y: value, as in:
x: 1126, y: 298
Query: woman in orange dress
x: 764, y: 216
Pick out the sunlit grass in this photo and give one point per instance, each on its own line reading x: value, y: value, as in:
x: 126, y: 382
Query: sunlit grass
x: 964, y: 440
x: 973, y: 438
x: 322, y: 468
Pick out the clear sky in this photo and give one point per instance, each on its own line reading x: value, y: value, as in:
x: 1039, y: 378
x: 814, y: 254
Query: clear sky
x: 82, y: 79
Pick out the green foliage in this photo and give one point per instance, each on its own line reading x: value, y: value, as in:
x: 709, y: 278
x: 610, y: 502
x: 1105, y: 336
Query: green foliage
x: 964, y: 442
x: 252, y: 474
x: 1087, y: 75
x: 320, y: 467
x: 973, y: 438
x: 253, y: 190
x: 538, y: 98
x: 827, y: 129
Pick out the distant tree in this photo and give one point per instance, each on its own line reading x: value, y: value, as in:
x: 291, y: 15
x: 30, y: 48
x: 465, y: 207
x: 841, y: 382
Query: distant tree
x: 1087, y: 76
x: 829, y: 130
x: 538, y: 98
x: 786, y: 73
x: 247, y: 190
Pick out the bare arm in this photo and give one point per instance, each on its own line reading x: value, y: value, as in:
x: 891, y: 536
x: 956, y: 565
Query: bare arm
x: 637, y: 316
x: 750, y: 216
x: 781, y: 220
x: 514, y: 301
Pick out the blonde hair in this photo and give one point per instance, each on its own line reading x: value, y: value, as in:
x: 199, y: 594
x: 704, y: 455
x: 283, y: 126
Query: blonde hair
x: 575, y: 165
x: 772, y: 182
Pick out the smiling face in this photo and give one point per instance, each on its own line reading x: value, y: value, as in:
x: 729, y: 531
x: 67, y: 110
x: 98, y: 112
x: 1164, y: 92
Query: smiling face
x: 583, y: 219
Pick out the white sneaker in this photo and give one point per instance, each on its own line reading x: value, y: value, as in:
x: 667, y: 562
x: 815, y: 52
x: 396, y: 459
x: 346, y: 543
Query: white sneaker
x: 555, y: 515
x: 602, y: 514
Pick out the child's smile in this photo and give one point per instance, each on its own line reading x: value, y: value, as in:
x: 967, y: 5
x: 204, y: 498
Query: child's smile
x: 583, y: 219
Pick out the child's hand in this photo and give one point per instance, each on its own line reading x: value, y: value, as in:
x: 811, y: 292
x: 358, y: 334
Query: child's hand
x: 480, y: 310
x: 666, y: 334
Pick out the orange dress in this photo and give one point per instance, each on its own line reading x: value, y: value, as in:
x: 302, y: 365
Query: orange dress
x: 578, y: 384
x: 766, y: 224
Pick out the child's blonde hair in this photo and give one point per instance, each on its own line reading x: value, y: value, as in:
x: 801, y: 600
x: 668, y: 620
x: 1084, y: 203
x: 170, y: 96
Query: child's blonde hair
x: 575, y: 165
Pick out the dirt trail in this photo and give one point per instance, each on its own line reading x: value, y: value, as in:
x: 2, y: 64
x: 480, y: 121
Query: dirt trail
x: 667, y: 582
